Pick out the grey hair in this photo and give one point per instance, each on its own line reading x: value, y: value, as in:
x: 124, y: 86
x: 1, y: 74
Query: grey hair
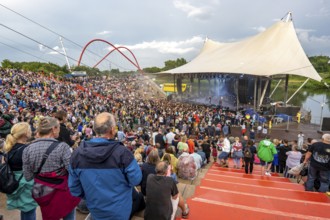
x: 161, y: 168
x: 103, y: 125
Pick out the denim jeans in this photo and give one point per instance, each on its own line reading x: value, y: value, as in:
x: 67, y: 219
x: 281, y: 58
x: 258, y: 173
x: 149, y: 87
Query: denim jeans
x: 324, y: 179
x: 71, y: 215
x: 237, y: 161
x: 30, y: 215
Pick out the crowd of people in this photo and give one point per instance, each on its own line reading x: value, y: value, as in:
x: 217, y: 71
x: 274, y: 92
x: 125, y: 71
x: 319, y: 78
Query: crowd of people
x: 93, y: 130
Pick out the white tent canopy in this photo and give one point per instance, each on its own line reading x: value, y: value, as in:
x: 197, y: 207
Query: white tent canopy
x: 275, y: 51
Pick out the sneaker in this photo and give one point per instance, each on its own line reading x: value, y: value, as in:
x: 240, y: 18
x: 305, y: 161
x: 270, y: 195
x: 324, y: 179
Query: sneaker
x: 268, y: 174
x: 186, y: 213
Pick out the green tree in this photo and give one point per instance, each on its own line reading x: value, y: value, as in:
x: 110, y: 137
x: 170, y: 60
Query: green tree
x: 153, y: 69
x: 115, y: 71
x: 321, y: 63
x: 171, y: 64
x: 6, y: 64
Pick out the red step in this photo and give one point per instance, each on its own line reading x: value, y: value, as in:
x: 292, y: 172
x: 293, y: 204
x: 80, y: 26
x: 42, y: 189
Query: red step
x: 256, y: 170
x: 231, y: 165
x: 248, y: 176
x: 214, y: 210
x: 263, y: 181
x: 270, y: 203
x: 266, y: 191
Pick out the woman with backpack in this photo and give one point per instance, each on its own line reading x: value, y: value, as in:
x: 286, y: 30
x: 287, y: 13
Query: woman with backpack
x: 21, y: 198
x: 248, y: 155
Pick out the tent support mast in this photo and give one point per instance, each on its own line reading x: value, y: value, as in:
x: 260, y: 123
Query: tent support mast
x: 259, y: 91
x: 237, y: 98
x: 264, y: 92
x: 286, y: 89
x: 297, y: 91
x: 199, y: 86
x: 66, y: 57
x: 275, y: 88
x: 255, y: 93
x: 174, y: 85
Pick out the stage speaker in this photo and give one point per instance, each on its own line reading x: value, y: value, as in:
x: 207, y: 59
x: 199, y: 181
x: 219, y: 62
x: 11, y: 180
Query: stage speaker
x: 179, y: 85
x: 326, y: 124
x: 243, y: 85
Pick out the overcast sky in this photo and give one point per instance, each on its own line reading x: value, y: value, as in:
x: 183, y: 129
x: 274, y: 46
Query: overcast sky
x: 154, y: 30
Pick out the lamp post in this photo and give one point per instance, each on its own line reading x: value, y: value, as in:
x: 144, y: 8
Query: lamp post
x: 322, y: 105
x: 321, y: 121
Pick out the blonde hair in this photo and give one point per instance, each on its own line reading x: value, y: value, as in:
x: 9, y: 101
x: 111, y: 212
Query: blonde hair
x: 138, y: 157
x: 276, y: 141
x: 18, y: 131
x: 46, y: 125
x: 184, y: 139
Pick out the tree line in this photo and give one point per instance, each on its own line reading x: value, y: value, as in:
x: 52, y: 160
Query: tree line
x: 320, y: 63
x: 62, y: 70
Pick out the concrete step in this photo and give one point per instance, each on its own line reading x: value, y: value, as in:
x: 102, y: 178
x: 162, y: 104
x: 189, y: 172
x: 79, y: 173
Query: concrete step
x: 267, y: 191
x: 213, y: 210
x: 248, y: 176
x: 266, y: 202
x: 263, y: 181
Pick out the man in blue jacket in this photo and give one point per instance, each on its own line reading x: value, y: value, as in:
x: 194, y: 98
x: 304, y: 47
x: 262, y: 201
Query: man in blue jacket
x: 103, y: 172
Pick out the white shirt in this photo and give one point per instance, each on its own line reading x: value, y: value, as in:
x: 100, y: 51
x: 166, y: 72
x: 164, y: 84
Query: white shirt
x: 170, y: 137
x: 226, y: 145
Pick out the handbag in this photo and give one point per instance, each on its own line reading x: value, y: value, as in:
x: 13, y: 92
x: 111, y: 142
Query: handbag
x: 296, y: 170
x: 304, y: 171
x: 8, y: 182
x: 52, y: 192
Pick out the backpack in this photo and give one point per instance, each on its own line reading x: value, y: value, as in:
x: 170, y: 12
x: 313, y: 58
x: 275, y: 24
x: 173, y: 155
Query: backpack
x: 187, y: 167
x: 8, y: 182
x: 247, y: 153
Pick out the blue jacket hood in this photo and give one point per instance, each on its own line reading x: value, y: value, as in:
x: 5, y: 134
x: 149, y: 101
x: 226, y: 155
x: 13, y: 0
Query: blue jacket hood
x: 98, y: 150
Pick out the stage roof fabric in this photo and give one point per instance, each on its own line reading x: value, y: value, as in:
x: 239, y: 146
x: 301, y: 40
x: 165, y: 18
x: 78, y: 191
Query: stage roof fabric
x: 275, y: 51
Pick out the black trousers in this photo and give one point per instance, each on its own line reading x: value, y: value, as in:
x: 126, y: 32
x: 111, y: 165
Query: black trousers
x: 282, y: 165
x: 248, y: 165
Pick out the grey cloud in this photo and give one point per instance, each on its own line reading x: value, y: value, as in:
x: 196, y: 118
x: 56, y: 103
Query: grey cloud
x: 200, y: 13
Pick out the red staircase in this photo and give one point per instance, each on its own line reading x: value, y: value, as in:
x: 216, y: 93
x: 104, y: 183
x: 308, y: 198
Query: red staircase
x: 226, y: 193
